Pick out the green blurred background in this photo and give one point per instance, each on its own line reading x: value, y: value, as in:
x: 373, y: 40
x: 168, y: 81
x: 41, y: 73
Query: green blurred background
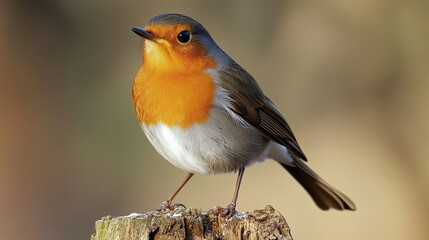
x: 351, y: 77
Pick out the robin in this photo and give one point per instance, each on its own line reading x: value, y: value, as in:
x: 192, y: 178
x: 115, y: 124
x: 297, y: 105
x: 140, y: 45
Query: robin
x: 205, y: 114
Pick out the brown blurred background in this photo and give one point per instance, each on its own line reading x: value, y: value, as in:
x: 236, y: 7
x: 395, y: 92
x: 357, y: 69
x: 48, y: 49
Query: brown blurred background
x: 352, y: 78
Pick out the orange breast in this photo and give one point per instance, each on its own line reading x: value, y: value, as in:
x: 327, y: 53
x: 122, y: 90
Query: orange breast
x: 175, y: 97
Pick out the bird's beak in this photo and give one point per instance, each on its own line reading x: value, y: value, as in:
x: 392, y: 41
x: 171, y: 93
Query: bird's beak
x: 144, y: 34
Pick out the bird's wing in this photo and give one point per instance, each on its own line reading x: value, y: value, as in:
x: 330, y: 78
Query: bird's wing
x: 249, y: 102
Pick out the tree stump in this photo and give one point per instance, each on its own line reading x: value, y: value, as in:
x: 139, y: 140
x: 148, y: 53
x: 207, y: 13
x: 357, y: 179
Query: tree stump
x: 192, y: 223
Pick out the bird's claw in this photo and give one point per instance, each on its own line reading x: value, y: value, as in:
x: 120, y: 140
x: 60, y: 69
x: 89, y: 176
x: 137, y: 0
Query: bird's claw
x: 229, y: 211
x: 165, y: 207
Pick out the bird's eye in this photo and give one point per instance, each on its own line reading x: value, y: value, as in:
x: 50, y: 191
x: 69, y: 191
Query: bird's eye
x: 184, y: 36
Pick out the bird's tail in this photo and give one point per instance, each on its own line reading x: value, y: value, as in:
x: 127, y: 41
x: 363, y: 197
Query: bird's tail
x: 323, y: 194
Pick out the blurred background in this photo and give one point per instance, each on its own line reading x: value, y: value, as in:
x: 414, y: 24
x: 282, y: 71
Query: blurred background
x: 352, y: 78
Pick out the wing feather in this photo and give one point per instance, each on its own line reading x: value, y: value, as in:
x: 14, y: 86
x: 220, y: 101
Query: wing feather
x: 249, y: 102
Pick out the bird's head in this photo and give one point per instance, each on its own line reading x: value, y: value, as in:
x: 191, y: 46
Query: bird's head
x: 175, y: 42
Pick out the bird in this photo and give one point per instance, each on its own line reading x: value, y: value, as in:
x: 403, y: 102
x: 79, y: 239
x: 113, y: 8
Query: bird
x: 205, y: 114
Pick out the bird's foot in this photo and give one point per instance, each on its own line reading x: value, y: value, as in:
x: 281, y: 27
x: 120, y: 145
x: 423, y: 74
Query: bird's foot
x: 229, y: 211
x: 166, y: 207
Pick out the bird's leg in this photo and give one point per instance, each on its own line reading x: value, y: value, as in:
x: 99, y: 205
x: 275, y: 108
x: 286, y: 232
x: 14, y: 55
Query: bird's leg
x: 166, y: 205
x: 230, y: 209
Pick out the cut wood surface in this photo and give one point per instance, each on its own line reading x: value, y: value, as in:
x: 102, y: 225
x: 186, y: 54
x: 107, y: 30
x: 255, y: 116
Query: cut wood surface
x: 192, y: 223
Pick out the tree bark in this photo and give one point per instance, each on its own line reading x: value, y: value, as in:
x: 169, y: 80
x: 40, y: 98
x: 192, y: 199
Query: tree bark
x: 191, y: 223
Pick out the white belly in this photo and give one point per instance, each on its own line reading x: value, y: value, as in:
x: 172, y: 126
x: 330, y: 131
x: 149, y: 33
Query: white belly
x: 217, y: 146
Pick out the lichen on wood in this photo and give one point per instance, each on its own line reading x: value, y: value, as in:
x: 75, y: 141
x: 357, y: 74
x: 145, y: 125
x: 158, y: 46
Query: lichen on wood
x: 192, y: 223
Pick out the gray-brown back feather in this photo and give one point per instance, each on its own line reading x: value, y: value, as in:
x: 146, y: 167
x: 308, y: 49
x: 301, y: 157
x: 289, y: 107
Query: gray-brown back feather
x: 249, y: 102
